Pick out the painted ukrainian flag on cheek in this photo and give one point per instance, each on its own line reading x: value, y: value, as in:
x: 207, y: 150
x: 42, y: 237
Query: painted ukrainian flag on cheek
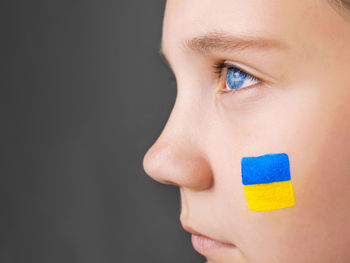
x: 266, y: 182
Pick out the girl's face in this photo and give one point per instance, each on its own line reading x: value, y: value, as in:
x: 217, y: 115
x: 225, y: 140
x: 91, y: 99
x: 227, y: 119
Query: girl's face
x: 295, y: 99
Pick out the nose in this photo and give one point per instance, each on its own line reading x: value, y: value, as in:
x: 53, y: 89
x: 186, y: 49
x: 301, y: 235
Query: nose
x: 176, y: 157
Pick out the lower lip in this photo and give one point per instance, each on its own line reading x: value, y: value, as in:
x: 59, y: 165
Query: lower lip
x: 203, y: 244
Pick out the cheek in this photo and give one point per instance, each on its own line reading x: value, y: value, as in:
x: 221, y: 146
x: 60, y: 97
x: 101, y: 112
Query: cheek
x: 320, y: 147
x: 323, y: 173
x: 314, y: 131
x: 320, y: 167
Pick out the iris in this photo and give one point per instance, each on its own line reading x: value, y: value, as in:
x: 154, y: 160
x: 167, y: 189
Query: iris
x: 236, y: 79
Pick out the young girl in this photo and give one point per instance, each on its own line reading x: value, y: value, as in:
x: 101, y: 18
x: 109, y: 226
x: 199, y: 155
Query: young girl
x: 259, y: 78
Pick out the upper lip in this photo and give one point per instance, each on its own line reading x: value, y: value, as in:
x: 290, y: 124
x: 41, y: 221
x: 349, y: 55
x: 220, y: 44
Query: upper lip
x: 191, y: 230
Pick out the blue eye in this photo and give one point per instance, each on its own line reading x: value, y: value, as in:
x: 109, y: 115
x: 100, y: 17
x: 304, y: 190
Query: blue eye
x: 237, y: 79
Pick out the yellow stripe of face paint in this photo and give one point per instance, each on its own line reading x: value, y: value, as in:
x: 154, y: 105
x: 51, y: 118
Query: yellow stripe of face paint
x: 271, y: 196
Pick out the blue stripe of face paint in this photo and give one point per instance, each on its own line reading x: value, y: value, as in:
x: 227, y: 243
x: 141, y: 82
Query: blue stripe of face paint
x: 268, y: 168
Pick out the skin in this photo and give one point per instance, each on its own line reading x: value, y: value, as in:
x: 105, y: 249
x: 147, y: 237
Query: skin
x: 302, y: 109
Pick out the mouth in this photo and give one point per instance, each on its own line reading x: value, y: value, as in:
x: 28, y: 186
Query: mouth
x: 204, y: 244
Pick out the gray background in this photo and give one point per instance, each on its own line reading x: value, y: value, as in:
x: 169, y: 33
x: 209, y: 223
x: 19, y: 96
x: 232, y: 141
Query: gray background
x: 84, y: 94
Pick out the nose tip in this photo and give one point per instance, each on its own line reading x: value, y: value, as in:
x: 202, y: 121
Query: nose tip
x: 178, y: 163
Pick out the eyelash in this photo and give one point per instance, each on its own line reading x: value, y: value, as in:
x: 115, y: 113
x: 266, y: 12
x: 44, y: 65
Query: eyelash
x: 219, y: 68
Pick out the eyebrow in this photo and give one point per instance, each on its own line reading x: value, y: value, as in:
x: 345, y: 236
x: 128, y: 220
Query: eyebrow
x: 222, y: 41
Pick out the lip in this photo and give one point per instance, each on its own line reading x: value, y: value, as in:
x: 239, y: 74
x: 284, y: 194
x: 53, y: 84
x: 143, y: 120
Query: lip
x: 204, y: 244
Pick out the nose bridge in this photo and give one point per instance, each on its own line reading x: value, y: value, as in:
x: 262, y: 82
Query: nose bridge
x: 176, y: 157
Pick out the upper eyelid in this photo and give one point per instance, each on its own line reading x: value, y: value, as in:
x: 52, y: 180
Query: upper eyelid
x: 221, y: 70
x: 230, y: 65
x: 253, y: 71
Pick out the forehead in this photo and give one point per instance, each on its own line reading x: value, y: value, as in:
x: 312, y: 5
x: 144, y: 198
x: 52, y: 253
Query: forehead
x: 282, y: 19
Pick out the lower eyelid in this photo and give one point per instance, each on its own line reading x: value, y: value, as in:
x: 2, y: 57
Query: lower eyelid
x: 223, y: 91
x: 247, y: 97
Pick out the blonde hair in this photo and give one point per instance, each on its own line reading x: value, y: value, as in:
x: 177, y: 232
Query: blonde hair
x: 344, y: 4
x: 342, y: 7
